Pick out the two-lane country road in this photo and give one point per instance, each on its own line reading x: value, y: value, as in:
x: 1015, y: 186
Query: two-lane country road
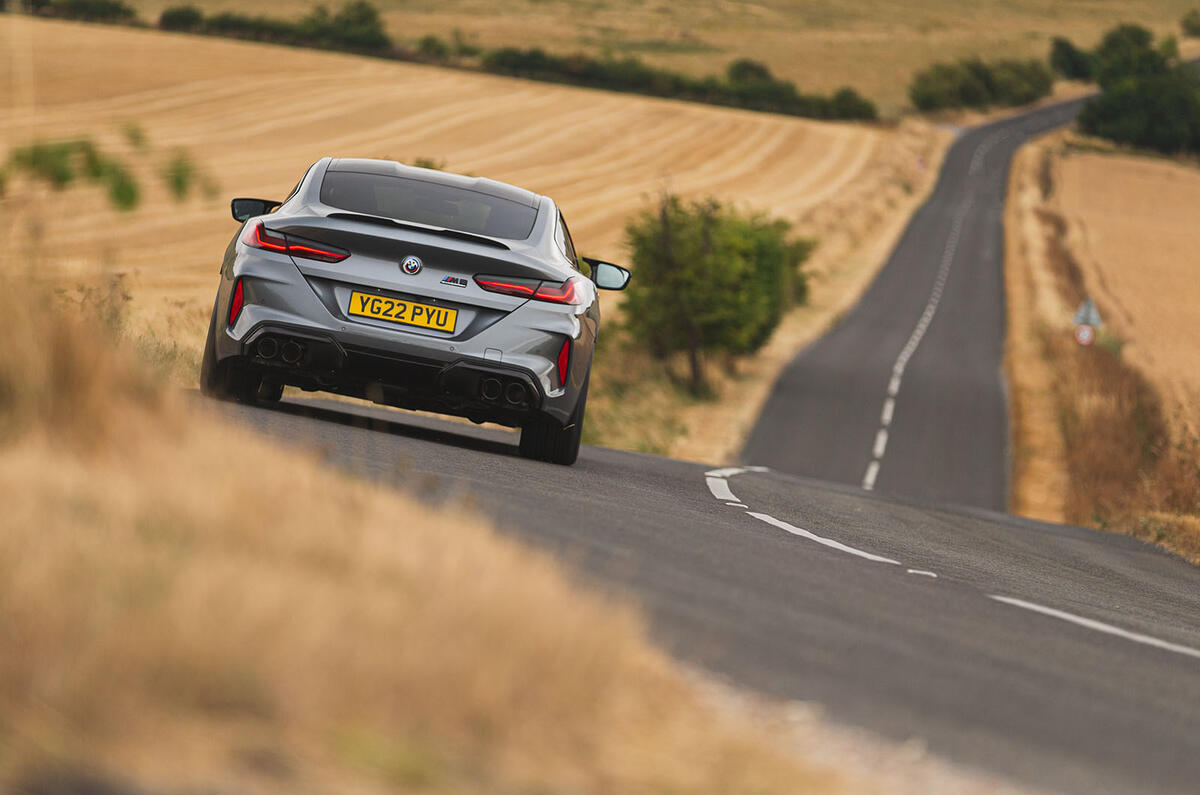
x: 1056, y: 656
x: 906, y: 395
x: 1059, y: 657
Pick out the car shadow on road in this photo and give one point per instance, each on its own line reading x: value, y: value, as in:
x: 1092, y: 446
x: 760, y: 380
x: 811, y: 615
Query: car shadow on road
x: 426, y: 429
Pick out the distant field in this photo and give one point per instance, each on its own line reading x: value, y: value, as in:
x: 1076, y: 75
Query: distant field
x: 1138, y: 240
x: 872, y: 45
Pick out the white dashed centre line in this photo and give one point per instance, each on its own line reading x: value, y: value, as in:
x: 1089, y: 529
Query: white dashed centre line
x: 829, y: 542
x: 918, y: 333
x: 720, y: 489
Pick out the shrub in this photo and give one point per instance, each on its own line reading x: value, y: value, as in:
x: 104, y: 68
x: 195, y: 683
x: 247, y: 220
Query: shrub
x: 356, y: 26
x: 1069, y: 61
x: 433, y: 48
x: 747, y: 84
x: 708, y: 280
x: 1127, y: 51
x: 1160, y: 112
x: 971, y: 83
x: 60, y: 163
x: 1191, y: 23
x: 89, y: 10
x: 179, y: 174
x: 185, y: 18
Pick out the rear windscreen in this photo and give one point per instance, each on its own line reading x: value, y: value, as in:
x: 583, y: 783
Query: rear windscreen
x: 429, y: 203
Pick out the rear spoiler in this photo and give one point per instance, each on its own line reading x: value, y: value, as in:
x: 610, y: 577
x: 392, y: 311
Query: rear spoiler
x: 429, y: 230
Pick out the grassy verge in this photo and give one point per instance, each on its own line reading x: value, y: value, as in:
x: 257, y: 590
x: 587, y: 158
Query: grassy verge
x: 1093, y: 445
x: 184, y: 607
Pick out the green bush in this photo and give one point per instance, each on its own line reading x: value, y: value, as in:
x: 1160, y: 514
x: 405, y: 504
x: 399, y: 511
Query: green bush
x: 1127, y: 51
x: 88, y: 10
x: 433, y: 49
x: 1159, y: 112
x: 185, y: 18
x: 357, y: 27
x: 747, y: 84
x: 1069, y: 61
x: 971, y: 83
x: 60, y: 163
x: 1147, y: 98
x: 1191, y: 23
x: 708, y: 280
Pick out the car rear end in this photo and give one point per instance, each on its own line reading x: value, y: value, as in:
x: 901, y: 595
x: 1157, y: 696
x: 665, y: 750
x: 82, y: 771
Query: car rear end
x: 418, y: 314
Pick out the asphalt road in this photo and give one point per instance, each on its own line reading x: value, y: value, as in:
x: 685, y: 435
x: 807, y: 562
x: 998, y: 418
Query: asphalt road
x: 882, y: 611
x: 1059, y: 657
x: 906, y: 395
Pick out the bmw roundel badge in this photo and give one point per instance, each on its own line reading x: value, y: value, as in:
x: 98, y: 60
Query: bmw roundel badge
x: 411, y: 265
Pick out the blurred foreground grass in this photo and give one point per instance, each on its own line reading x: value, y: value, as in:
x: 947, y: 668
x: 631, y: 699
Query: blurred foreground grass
x: 185, y: 607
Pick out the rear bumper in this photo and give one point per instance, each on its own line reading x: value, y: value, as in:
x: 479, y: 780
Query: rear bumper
x: 477, y: 389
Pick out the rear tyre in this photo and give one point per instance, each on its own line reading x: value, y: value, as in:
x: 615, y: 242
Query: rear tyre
x: 545, y: 440
x: 219, y: 379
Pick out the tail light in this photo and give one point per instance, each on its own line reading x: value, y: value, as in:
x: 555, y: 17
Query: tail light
x: 258, y: 236
x: 521, y: 288
x: 552, y: 292
x: 235, y: 306
x: 564, y: 361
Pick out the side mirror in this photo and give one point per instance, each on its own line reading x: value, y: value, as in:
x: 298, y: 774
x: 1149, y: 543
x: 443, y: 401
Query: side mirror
x: 244, y: 209
x: 608, y: 276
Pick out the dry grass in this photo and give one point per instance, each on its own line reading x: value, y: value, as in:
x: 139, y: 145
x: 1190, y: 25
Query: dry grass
x: 872, y: 45
x: 603, y: 156
x: 186, y: 607
x: 1096, y: 443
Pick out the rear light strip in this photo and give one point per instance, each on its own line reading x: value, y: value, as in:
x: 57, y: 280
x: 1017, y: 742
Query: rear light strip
x: 552, y: 292
x: 258, y: 236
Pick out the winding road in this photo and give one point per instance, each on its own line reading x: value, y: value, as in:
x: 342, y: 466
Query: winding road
x: 906, y: 395
x: 1058, y: 657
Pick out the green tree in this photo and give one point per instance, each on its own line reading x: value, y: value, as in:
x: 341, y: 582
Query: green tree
x: 1069, y: 61
x: 1191, y: 23
x: 708, y: 280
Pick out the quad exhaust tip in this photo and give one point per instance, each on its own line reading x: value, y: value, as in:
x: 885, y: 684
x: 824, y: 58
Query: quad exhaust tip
x: 490, y: 388
x: 291, y: 352
x: 267, y: 348
x: 514, y: 393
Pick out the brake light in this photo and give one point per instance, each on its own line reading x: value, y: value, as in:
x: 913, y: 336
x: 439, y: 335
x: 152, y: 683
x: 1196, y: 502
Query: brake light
x: 564, y: 293
x: 564, y: 362
x: 521, y: 288
x: 258, y: 236
x: 235, y: 306
x: 554, y: 292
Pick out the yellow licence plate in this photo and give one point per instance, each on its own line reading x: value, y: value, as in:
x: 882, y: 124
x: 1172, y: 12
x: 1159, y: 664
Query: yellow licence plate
x: 406, y: 312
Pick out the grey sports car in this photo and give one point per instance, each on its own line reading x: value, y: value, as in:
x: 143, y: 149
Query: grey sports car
x: 414, y: 288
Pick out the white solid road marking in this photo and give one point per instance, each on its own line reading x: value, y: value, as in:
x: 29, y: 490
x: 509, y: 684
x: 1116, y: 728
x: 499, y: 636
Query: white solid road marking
x: 720, y: 489
x: 1099, y: 626
x: 829, y: 542
x: 922, y: 573
x: 727, y: 472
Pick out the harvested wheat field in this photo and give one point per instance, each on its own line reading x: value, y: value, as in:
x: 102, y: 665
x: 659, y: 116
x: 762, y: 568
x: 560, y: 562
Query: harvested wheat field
x: 1105, y: 435
x: 1135, y: 232
x: 252, y: 117
x: 871, y: 45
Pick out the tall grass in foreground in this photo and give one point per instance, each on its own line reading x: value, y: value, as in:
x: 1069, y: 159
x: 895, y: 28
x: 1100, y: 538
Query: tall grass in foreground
x: 184, y: 607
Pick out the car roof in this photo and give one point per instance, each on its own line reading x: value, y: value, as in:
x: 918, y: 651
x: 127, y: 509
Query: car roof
x: 489, y: 187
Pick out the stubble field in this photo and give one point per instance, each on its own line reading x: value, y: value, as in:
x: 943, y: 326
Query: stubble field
x: 252, y: 117
x: 872, y: 45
